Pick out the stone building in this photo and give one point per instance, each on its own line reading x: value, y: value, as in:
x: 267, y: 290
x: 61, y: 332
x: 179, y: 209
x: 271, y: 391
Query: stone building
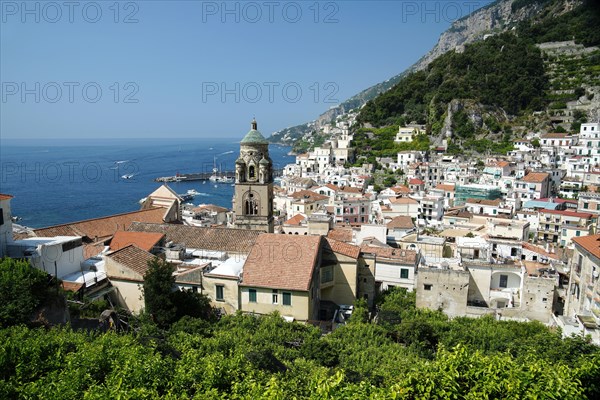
x: 253, y: 197
x: 516, y: 291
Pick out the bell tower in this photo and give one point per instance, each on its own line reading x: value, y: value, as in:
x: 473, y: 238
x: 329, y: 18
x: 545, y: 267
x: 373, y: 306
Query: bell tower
x: 253, y: 197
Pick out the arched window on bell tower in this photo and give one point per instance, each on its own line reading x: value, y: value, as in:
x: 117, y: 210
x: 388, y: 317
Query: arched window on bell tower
x: 251, y: 172
x: 251, y: 204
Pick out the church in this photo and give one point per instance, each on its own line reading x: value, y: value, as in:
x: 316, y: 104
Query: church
x: 253, y: 197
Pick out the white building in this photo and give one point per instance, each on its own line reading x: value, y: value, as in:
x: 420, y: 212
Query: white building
x: 58, y: 256
x: 5, y: 223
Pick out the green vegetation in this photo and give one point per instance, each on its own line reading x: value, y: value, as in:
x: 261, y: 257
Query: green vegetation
x: 22, y: 290
x: 407, y: 354
x: 503, y: 71
x: 518, y: 4
x: 379, y: 142
x: 165, y: 305
x: 580, y: 24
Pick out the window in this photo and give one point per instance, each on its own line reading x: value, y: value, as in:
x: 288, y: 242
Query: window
x: 251, y: 172
x: 287, y: 299
x: 219, y: 292
x: 251, y: 205
x: 578, y: 233
x: 327, y: 274
x: 404, y: 273
x: 275, y: 296
x: 427, y: 286
x: 503, y: 281
x: 252, y: 295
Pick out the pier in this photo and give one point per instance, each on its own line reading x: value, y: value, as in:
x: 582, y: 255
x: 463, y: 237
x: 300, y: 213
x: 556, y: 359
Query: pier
x: 204, y: 176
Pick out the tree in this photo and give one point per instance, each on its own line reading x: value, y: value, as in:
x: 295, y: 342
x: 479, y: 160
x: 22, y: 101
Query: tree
x: 560, y: 129
x: 167, y: 305
x: 22, y: 289
x: 158, y: 288
x: 536, y: 143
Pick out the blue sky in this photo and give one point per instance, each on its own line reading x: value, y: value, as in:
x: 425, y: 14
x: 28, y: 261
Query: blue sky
x: 199, y: 68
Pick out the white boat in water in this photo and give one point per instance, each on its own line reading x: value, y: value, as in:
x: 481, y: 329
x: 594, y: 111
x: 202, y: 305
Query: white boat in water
x: 217, y: 177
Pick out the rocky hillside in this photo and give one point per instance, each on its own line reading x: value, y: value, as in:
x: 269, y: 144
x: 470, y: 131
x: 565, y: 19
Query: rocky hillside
x: 485, y: 93
x: 497, y: 17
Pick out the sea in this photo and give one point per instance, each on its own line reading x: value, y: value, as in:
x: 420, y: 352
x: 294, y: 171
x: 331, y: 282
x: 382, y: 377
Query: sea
x: 60, y: 181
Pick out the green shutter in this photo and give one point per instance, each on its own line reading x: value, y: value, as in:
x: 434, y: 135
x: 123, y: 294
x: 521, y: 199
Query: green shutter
x: 287, y: 299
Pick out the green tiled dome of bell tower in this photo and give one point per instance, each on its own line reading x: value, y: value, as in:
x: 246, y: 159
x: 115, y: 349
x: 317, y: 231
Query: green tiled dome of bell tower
x: 254, y: 136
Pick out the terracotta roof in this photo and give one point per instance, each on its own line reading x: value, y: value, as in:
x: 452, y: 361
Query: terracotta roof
x: 447, y: 188
x: 210, y: 207
x: 221, y: 239
x: 459, y: 214
x: 144, y: 240
x: 295, y: 220
x: 554, y: 135
x: 71, y: 286
x: 400, y: 189
x: 103, y: 227
x: 535, y: 177
x: 558, y: 200
x: 402, y: 222
x: 133, y: 258
x: 92, y: 249
x: 539, y: 250
x: 341, y: 234
x: 566, y: 213
x: 282, y: 262
x: 408, y: 256
x: 484, y: 202
x: 308, y: 195
x: 343, y: 248
x: 350, y: 189
x: 5, y: 196
x: 535, y: 268
x: 403, y: 200
x: 589, y: 243
x: 414, y: 181
x: 502, y: 164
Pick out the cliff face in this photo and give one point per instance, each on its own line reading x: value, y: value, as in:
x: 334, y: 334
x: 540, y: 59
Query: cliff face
x: 497, y: 17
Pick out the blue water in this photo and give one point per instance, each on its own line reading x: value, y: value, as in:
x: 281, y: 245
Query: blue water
x: 55, y: 182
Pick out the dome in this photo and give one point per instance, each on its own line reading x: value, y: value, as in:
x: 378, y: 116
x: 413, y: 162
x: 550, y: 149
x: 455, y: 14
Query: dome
x: 264, y: 161
x: 254, y: 136
x: 239, y: 161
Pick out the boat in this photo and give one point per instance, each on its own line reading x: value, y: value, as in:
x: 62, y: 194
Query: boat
x: 127, y: 176
x: 193, y: 192
x: 216, y: 177
x: 186, y: 197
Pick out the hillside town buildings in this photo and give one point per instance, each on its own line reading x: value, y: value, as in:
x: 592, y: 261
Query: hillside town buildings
x: 515, y: 237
